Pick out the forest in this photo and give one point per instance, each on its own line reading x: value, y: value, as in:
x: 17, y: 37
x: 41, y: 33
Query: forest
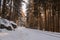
x: 35, y: 14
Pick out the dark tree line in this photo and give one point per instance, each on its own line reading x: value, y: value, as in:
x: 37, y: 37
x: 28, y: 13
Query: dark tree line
x: 10, y: 9
x: 44, y: 15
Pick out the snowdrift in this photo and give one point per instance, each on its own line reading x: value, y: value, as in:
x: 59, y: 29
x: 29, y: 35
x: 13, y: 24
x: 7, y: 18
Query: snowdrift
x: 9, y: 25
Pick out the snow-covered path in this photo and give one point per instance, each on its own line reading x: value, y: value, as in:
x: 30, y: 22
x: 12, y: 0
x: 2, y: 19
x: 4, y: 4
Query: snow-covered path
x: 22, y: 33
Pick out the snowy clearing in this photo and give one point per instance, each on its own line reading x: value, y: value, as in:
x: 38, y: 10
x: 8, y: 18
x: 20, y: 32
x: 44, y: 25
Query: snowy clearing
x: 22, y: 33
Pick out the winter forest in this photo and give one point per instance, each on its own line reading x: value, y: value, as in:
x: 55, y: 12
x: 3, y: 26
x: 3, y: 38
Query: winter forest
x: 37, y: 14
x: 24, y: 16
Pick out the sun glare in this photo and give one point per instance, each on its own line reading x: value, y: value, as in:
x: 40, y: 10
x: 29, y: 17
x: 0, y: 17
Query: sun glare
x: 24, y: 6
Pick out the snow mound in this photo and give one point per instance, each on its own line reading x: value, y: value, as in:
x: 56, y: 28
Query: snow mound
x: 4, y: 23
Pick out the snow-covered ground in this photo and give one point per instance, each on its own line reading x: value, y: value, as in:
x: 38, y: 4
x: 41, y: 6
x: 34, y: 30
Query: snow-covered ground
x: 22, y: 33
x: 4, y: 23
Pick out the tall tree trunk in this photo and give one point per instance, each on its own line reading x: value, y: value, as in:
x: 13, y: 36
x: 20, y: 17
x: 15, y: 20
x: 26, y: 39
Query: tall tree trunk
x: 3, y: 9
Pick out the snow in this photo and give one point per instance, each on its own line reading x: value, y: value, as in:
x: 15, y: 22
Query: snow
x: 22, y: 33
x: 5, y: 22
x: 13, y: 22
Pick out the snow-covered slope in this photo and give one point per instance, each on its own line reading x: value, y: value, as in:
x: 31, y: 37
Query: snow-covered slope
x: 22, y: 33
x: 4, y: 23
